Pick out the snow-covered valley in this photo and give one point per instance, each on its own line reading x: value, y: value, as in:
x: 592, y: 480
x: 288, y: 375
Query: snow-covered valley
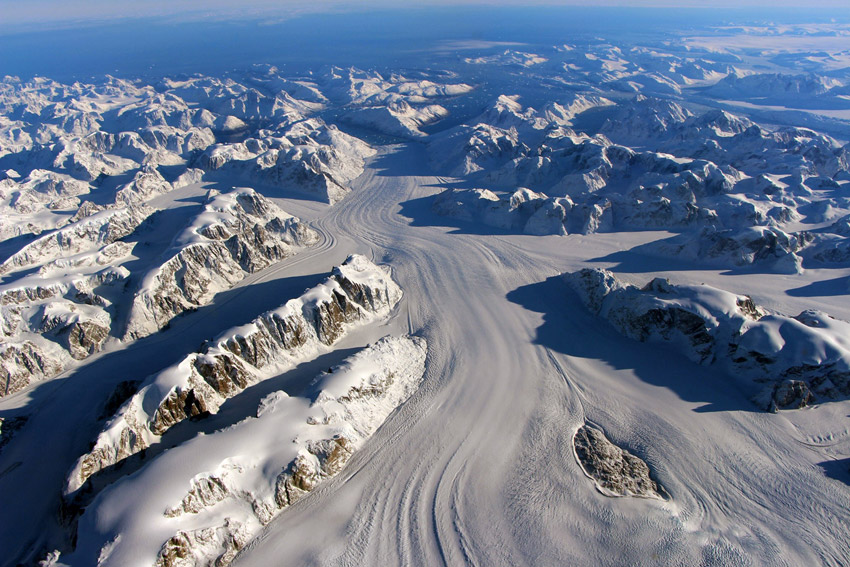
x: 392, y: 317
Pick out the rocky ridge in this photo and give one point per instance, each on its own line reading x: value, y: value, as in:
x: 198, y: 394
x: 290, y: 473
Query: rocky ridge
x: 237, y: 233
x: 356, y: 293
x: 228, y: 493
x: 792, y: 360
x: 86, y: 234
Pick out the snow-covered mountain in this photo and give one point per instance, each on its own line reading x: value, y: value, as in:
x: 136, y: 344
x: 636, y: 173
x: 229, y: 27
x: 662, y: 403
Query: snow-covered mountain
x: 356, y: 293
x: 222, y: 492
x: 622, y: 337
x: 236, y: 234
x: 796, y: 359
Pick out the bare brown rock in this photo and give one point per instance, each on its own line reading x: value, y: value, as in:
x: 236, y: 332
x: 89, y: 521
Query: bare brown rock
x: 22, y: 364
x: 791, y: 394
x: 615, y: 471
x: 179, y: 405
x: 84, y: 338
x: 206, y: 491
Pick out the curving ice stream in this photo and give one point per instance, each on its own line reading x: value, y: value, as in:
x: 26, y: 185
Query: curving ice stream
x: 477, y: 468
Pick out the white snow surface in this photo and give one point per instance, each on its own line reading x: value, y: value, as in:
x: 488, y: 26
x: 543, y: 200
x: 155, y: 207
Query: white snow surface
x: 236, y: 233
x: 247, y: 458
x: 623, y: 154
x: 258, y: 349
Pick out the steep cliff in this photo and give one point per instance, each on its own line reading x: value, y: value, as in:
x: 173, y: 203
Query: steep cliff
x: 236, y: 234
x: 356, y: 293
x: 795, y: 360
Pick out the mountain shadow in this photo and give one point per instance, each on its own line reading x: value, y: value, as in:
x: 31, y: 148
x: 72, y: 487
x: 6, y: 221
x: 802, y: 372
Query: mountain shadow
x: 569, y: 328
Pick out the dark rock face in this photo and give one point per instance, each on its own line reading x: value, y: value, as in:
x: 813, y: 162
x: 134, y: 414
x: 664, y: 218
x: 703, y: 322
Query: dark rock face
x: 669, y: 321
x: 175, y: 550
x: 28, y: 294
x: 129, y: 443
x: 357, y: 291
x: 276, y: 331
x: 35, y: 319
x: 226, y: 374
x: 748, y: 307
x: 8, y: 427
x: 615, y: 471
x: 223, y: 366
x: 123, y: 391
x: 23, y: 364
x: 179, y: 405
x: 791, y: 394
x: 332, y: 315
x: 795, y: 358
x: 827, y: 380
x: 84, y: 338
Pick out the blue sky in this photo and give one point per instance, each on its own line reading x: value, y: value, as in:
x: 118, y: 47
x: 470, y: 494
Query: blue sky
x: 30, y: 13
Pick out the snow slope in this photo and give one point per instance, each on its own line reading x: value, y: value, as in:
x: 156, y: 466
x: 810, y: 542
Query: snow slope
x: 482, y: 465
x: 225, y: 486
x: 357, y: 293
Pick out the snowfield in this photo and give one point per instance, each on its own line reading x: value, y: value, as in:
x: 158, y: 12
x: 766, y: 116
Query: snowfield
x: 357, y: 293
x: 549, y: 305
x: 230, y: 488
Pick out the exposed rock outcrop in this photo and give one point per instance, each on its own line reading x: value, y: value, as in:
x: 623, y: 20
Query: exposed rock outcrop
x: 791, y: 394
x: 356, y: 293
x: 216, y: 546
x: 237, y: 233
x: 616, y: 472
x: 82, y: 330
x: 538, y: 214
x: 146, y: 184
x: 795, y: 358
x: 9, y: 426
x: 21, y: 364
